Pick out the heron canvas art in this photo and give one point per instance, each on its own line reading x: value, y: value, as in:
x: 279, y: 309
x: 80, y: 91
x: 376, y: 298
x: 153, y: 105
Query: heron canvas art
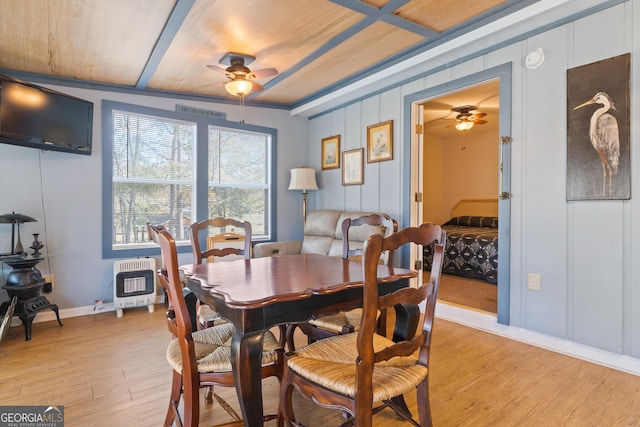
x: 598, y: 152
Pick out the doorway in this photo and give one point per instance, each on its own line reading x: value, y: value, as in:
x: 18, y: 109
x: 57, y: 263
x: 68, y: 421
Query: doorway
x: 479, y: 164
x: 460, y: 180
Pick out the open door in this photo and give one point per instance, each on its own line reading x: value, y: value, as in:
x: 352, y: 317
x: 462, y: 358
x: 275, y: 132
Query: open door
x: 413, y: 200
x: 417, y: 141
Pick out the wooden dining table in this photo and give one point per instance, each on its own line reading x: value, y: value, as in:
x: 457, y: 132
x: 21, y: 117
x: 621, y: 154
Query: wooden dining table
x: 260, y: 293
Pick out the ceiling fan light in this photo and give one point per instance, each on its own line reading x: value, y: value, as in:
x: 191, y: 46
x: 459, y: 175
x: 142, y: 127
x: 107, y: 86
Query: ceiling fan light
x: 464, y: 125
x: 239, y: 87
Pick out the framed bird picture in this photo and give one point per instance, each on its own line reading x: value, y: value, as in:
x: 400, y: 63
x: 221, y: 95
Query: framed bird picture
x: 598, y: 146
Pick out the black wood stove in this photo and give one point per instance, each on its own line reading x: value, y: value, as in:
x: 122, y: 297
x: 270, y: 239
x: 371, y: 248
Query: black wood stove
x: 26, y: 282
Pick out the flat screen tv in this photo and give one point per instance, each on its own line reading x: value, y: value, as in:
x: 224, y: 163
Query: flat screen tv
x: 37, y: 117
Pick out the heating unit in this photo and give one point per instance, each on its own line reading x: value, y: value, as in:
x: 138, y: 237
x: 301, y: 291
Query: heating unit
x: 134, y: 284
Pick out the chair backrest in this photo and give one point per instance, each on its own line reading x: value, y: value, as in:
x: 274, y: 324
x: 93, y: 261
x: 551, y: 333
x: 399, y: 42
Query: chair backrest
x: 201, y: 254
x: 376, y: 220
x: 178, y: 318
x: 375, y: 245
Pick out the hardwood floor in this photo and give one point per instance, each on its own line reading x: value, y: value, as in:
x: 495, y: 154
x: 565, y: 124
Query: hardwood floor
x: 107, y: 371
x: 470, y: 293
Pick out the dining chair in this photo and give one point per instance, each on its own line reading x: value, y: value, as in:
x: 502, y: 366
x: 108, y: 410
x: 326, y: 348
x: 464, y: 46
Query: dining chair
x: 198, y: 358
x: 355, y: 371
x: 6, y: 320
x: 217, y: 230
x: 346, y: 322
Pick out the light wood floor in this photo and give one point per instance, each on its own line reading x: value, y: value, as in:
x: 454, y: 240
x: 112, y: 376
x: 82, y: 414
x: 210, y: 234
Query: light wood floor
x: 112, y: 372
x: 473, y: 293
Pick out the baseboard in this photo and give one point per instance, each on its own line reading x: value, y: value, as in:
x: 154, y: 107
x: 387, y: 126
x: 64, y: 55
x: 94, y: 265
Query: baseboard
x: 488, y: 323
x: 88, y: 310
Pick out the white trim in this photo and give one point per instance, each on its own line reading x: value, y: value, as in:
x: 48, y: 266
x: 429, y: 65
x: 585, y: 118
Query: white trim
x: 87, y: 310
x: 488, y: 323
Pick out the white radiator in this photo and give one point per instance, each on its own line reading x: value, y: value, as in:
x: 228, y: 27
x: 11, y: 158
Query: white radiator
x: 134, y: 284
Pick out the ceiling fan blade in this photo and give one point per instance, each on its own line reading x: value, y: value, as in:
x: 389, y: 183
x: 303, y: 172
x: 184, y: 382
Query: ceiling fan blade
x: 479, y: 122
x: 218, y: 69
x: 257, y: 87
x: 263, y: 73
x: 214, y: 84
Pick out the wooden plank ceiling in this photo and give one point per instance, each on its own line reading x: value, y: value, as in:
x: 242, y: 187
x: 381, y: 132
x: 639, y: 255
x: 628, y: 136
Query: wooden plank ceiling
x: 165, y: 45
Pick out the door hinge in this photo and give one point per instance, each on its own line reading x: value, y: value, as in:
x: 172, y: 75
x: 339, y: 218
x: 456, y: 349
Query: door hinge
x: 418, y: 197
x: 419, y: 129
x: 505, y: 140
x: 418, y: 265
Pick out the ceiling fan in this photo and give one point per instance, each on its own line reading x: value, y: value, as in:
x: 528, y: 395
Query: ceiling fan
x: 465, y: 119
x: 241, y: 78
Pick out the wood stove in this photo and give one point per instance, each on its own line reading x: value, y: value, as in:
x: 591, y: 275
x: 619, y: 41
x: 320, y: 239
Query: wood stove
x: 26, y: 283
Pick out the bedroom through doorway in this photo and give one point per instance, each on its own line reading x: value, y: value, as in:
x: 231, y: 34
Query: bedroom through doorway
x: 460, y: 184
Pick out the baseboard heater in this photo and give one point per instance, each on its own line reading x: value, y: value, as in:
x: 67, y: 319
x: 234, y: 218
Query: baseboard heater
x: 134, y: 284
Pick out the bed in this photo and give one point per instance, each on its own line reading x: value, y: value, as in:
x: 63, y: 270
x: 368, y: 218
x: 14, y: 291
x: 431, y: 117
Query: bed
x: 471, y: 249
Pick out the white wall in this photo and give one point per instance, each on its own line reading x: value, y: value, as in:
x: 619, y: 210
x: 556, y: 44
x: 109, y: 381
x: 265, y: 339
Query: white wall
x: 63, y: 193
x: 585, y: 251
x: 464, y: 166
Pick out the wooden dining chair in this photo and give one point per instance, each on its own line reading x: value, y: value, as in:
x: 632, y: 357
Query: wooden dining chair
x: 346, y: 321
x: 356, y: 371
x: 217, y: 229
x: 201, y: 358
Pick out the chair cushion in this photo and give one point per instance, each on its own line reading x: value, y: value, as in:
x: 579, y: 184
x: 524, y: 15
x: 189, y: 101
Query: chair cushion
x: 335, y: 322
x: 316, y: 245
x: 207, y: 315
x: 213, y: 351
x: 331, y: 362
x: 322, y: 223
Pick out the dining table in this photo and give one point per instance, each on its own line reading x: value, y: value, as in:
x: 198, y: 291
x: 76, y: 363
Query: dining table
x: 258, y: 294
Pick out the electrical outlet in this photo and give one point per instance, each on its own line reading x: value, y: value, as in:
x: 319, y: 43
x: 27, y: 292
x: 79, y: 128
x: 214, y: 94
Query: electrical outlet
x: 533, y: 282
x: 48, y: 278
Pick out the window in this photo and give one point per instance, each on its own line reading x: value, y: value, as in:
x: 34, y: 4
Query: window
x: 238, y: 176
x: 174, y: 169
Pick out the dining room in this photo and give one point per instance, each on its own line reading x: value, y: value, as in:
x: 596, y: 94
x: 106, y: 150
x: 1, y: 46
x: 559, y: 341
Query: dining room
x: 477, y: 378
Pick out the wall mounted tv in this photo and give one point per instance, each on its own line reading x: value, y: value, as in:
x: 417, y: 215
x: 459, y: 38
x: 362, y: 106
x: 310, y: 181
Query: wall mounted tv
x: 37, y: 117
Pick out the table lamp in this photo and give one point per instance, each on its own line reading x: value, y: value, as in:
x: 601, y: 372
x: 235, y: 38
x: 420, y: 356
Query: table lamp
x: 303, y: 179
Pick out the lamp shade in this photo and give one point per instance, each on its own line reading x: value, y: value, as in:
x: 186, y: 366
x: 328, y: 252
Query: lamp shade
x: 239, y: 87
x: 303, y: 179
x: 464, y: 125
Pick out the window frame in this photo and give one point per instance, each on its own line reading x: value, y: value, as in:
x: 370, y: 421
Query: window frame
x: 201, y: 189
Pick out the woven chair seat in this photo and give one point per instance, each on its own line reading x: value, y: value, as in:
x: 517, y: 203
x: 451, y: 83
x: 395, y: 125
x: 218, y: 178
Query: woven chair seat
x: 331, y: 363
x: 336, y: 322
x: 207, y: 315
x: 213, y: 349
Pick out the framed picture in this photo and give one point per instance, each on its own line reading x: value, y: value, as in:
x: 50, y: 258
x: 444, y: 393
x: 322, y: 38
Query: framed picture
x: 331, y: 152
x: 353, y: 167
x: 598, y: 129
x: 380, y: 142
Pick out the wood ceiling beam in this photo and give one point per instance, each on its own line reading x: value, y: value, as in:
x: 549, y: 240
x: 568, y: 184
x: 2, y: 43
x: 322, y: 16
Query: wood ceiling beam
x: 386, y: 14
x: 171, y: 28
